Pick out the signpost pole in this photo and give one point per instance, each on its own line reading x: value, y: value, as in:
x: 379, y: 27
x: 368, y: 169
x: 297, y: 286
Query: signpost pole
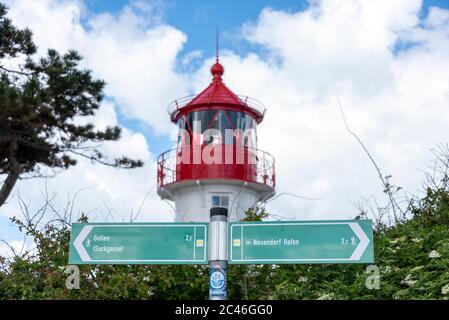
x: 218, y: 253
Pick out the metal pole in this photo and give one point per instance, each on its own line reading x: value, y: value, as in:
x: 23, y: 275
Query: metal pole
x: 218, y: 253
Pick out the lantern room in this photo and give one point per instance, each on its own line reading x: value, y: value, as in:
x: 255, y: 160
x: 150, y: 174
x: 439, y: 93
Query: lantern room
x: 216, y: 161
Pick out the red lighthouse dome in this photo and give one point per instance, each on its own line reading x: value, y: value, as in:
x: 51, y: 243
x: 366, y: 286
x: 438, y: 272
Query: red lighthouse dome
x: 217, y: 147
x: 216, y: 96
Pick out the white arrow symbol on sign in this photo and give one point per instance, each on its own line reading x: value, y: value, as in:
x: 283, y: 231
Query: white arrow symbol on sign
x: 363, y: 244
x: 78, y: 243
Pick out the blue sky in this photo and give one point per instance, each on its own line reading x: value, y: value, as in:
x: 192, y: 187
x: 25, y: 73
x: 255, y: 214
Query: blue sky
x: 198, y: 19
x: 384, y: 93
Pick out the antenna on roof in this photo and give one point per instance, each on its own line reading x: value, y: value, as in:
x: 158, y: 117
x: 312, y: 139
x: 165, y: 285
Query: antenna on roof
x: 216, y: 50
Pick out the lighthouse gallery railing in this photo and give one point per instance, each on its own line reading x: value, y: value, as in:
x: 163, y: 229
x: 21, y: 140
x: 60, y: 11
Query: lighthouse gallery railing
x: 253, y: 104
x: 261, y: 171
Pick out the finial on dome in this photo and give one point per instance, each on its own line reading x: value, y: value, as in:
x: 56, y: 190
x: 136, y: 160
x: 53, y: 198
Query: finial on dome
x: 217, y: 69
x: 216, y: 48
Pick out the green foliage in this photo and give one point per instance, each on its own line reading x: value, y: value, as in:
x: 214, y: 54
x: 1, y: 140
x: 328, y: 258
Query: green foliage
x: 40, y: 275
x: 257, y: 214
x: 38, y: 102
x: 413, y: 258
x: 14, y: 41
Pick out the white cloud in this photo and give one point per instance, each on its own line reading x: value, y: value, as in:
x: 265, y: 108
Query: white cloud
x: 190, y: 57
x: 16, y: 247
x: 133, y: 51
x: 396, y: 101
x: 103, y: 193
x: 389, y: 69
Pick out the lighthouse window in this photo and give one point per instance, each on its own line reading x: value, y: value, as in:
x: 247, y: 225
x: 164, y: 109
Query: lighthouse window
x: 215, y: 201
x: 224, y: 201
x: 220, y: 120
x: 220, y: 201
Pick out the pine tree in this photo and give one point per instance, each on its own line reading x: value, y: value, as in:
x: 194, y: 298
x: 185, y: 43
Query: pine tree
x: 39, y: 101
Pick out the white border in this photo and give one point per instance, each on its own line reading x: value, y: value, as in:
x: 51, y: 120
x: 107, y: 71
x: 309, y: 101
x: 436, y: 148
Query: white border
x: 355, y: 227
x: 84, y: 256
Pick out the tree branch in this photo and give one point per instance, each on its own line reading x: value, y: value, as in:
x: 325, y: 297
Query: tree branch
x: 15, y: 71
x: 92, y: 158
x: 387, y: 186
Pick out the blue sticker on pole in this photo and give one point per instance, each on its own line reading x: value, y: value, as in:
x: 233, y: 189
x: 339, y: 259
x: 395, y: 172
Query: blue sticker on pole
x: 217, y: 286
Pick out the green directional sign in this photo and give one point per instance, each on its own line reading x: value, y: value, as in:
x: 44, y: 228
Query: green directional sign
x: 296, y: 242
x: 139, y: 243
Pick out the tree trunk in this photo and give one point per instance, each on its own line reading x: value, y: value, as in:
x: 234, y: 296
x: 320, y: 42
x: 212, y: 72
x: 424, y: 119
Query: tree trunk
x: 8, y: 185
x: 13, y: 174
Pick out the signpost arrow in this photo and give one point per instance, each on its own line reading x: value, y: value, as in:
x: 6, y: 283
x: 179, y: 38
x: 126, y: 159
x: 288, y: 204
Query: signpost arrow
x: 340, y: 241
x: 139, y: 243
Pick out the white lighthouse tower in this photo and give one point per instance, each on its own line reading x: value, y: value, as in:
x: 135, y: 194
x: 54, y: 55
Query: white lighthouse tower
x: 216, y: 162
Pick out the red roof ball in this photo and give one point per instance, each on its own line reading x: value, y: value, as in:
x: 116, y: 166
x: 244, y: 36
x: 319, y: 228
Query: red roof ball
x: 217, y: 70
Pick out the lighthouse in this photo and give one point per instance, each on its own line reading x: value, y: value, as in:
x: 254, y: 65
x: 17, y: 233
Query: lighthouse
x: 216, y: 162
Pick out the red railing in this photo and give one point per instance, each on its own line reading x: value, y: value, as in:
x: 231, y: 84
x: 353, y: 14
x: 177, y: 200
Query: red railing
x: 253, y: 104
x: 258, y: 167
